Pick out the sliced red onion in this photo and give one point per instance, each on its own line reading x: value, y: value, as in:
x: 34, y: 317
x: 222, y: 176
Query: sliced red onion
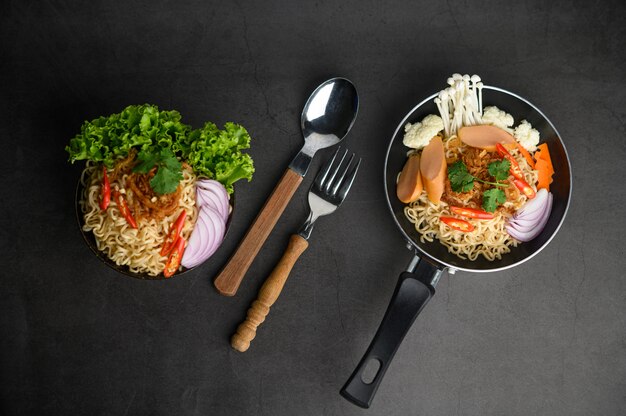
x: 220, y: 194
x: 216, y: 228
x: 208, y: 233
x: 528, y: 230
x: 206, y: 237
x: 210, y: 199
x: 533, y: 216
x: 199, y: 238
x: 537, y: 203
x: 523, y: 222
x: 200, y: 201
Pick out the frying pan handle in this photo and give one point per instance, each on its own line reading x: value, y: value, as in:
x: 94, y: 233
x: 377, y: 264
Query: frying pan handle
x: 412, y: 293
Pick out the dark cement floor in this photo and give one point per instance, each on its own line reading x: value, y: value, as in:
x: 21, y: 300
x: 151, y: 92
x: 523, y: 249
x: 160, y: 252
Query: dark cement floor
x: 545, y: 338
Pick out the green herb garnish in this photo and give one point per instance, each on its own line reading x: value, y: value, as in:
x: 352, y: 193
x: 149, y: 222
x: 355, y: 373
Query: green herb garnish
x: 169, y: 169
x: 463, y: 181
x: 492, y: 198
x: 499, y: 169
x: 460, y: 179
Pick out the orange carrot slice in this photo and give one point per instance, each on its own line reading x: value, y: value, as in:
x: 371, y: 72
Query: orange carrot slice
x: 543, y: 153
x: 544, y: 167
x: 526, y: 155
x: 544, y: 177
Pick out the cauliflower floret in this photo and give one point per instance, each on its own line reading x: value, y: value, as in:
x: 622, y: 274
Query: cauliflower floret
x: 526, y: 136
x: 499, y: 118
x: 418, y: 135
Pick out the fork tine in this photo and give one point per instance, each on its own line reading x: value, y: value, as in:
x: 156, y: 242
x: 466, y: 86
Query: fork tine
x: 330, y: 181
x: 347, y: 182
x: 337, y: 183
x: 320, y: 178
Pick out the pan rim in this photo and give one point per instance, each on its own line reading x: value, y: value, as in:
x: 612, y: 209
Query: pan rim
x: 440, y: 263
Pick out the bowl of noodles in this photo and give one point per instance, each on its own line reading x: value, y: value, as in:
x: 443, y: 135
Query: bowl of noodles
x: 156, y: 198
x: 462, y: 215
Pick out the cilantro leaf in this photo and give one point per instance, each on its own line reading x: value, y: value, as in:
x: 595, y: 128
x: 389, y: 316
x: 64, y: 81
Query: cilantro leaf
x: 492, y: 198
x: 460, y: 179
x: 146, y: 161
x: 165, y: 180
x: 169, y: 160
x: 169, y: 169
x: 499, y: 169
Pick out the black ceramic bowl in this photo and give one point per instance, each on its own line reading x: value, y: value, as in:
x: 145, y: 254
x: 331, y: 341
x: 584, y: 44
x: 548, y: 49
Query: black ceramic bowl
x: 90, y: 240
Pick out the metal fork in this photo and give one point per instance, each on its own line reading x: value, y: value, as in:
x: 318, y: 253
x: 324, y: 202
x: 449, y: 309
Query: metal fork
x: 328, y: 191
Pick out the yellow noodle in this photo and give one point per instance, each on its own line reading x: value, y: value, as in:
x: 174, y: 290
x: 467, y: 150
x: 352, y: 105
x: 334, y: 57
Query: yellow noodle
x: 489, y: 237
x: 136, y: 248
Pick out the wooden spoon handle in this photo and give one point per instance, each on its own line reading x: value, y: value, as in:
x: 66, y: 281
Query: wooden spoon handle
x: 227, y: 282
x: 268, y: 294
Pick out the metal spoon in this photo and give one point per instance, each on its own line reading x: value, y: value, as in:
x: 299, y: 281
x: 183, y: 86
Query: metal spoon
x: 327, y: 117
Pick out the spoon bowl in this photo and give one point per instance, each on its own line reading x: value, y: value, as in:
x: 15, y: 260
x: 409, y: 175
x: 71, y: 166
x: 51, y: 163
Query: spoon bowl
x: 327, y: 117
x: 329, y: 113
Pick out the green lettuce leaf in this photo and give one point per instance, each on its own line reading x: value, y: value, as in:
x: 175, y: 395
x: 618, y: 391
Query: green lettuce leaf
x: 161, y: 140
x: 106, y: 139
x: 216, y: 153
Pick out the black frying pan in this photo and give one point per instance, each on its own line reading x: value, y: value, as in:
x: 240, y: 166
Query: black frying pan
x: 417, y: 285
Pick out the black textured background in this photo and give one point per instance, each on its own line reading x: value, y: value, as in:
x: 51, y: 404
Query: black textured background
x: 545, y: 338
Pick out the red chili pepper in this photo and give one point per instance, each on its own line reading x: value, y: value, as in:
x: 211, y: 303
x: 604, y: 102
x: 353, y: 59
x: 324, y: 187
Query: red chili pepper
x: 472, y: 213
x: 106, y: 190
x: 174, y: 234
x: 124, y: 210
x: 515, y: 170
x: 523, y: 186
x: 173, y: 261
x: 457, y: 224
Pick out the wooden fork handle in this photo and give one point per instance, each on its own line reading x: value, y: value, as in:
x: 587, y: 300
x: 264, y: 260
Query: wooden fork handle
x: 268, y: 294
x: 229, y: 279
